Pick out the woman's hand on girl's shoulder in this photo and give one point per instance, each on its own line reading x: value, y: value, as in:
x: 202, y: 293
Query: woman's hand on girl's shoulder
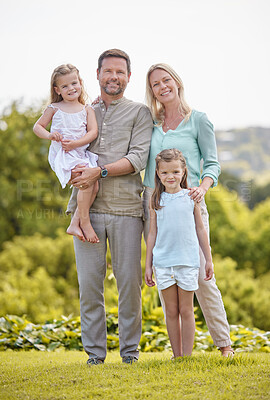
x: 197, y: 193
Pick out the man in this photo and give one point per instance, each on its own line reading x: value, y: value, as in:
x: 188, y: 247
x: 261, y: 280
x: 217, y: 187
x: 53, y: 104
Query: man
x: 125, y: 129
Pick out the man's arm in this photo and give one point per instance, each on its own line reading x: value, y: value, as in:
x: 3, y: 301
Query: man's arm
x: 133, y: 162
x: 140, y: 140
x: 90, y: 175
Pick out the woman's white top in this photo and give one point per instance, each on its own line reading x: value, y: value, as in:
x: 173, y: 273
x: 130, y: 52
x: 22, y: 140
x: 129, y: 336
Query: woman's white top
x: 71, y: 126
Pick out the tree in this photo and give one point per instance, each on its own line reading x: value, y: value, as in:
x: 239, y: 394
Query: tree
x: 31, y: 197
x: 248, y: 191
x: 246, y: 299
x: 229, y: 226
x: 260, y: 237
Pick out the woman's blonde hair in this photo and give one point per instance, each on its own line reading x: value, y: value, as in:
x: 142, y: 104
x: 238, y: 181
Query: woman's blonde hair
x: 157, y: 108
x: 65, y: 69
x: 167, y: 156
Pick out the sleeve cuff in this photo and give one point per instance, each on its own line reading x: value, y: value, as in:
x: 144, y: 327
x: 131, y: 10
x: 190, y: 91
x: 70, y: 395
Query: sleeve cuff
x: 135, y: 165
x: 215, y: 180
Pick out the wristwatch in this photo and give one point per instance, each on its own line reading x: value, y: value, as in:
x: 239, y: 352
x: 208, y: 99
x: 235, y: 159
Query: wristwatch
x: 104, y: 171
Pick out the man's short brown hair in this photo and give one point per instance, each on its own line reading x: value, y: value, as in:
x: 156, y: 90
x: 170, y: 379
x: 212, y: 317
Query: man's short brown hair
x: 114, y: 53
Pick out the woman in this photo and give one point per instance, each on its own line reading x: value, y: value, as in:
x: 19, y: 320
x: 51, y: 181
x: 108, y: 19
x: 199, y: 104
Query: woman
x: 190, y: 131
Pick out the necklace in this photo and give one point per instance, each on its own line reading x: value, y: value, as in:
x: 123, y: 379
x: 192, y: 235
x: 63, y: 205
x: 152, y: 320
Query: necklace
x: 170, y: 124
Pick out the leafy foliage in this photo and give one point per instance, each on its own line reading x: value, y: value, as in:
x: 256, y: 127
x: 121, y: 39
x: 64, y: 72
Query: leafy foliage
x: 18, y: 333
x: 31, y: 197
x: 229, y: 219
x: 28, y: 265
x: 247, y: 191
x: 38, y: 277
x: 246, y: 299
x: 238, y: 232
x: 260, y: 237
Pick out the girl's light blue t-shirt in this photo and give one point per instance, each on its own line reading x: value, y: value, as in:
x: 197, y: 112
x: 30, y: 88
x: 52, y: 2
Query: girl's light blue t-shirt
x: 176, y: 242
x: 196, y: 140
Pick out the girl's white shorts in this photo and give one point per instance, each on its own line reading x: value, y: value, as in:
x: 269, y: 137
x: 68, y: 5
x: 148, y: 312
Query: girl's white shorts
x: 184, y: 277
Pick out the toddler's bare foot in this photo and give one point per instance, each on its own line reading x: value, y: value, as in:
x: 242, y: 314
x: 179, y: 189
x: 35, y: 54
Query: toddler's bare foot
x: 89, y: 232
x: 75, y: 230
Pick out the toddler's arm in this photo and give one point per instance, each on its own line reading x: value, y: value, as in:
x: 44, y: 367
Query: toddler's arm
x: 41, y: 124
x: 91, y: 134
x: 204, y: 243
x: 151, y: 240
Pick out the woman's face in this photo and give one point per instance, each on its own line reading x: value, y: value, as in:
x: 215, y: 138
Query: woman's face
x: 164, y: 87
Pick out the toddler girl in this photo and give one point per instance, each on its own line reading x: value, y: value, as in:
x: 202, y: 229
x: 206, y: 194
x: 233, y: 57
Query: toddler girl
x: 176, y: 230
x: 73, y: 127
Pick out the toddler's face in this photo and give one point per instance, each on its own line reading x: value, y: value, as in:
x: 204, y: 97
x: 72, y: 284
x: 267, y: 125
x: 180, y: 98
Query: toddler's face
x: 69, y: 86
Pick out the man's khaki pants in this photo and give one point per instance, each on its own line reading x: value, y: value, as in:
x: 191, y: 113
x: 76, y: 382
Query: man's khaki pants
x: 124, y: 236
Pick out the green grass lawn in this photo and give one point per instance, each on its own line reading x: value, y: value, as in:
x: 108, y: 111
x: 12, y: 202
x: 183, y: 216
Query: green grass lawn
x: 65, y: 375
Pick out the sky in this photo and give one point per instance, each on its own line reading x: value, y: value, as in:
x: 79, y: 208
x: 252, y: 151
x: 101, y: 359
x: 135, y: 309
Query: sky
x: 220, y: 49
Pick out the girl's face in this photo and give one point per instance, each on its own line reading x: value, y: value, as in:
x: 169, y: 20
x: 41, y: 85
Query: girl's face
x: 164, y: 87
x: 69, y: 87
x: 170, y: 174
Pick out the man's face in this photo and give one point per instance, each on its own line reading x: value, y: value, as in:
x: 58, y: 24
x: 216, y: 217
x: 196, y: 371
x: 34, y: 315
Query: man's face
x: 113, y: 76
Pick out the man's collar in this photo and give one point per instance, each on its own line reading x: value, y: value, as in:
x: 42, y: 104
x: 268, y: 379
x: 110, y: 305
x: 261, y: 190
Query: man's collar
x: 101, y: 102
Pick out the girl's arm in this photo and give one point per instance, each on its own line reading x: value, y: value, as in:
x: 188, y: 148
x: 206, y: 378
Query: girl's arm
x: 91, y: 134
x: 204, y: 243
x: 151, y: 240
x: 41, y: 124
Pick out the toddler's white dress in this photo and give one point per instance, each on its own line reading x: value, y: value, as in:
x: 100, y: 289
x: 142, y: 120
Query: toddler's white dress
x: 72, y: 126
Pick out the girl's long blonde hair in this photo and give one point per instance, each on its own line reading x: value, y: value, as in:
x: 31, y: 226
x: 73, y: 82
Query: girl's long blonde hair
x: 157, y: 109
x: 167, y: 156
x: 65, y: 69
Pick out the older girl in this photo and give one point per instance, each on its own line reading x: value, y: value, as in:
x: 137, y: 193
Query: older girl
x: 176, y: 229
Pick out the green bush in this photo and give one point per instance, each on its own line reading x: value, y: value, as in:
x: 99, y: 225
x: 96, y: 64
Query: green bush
x: 229, y: 226
x: 245, y: 298
x: 33, y: 295
x: 260, y: 237
x: 22, y: 263
x: 38, y: 277
x: 29, y: 265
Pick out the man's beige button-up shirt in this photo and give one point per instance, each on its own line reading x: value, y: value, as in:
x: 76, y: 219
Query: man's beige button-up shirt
x: 124, y: 130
